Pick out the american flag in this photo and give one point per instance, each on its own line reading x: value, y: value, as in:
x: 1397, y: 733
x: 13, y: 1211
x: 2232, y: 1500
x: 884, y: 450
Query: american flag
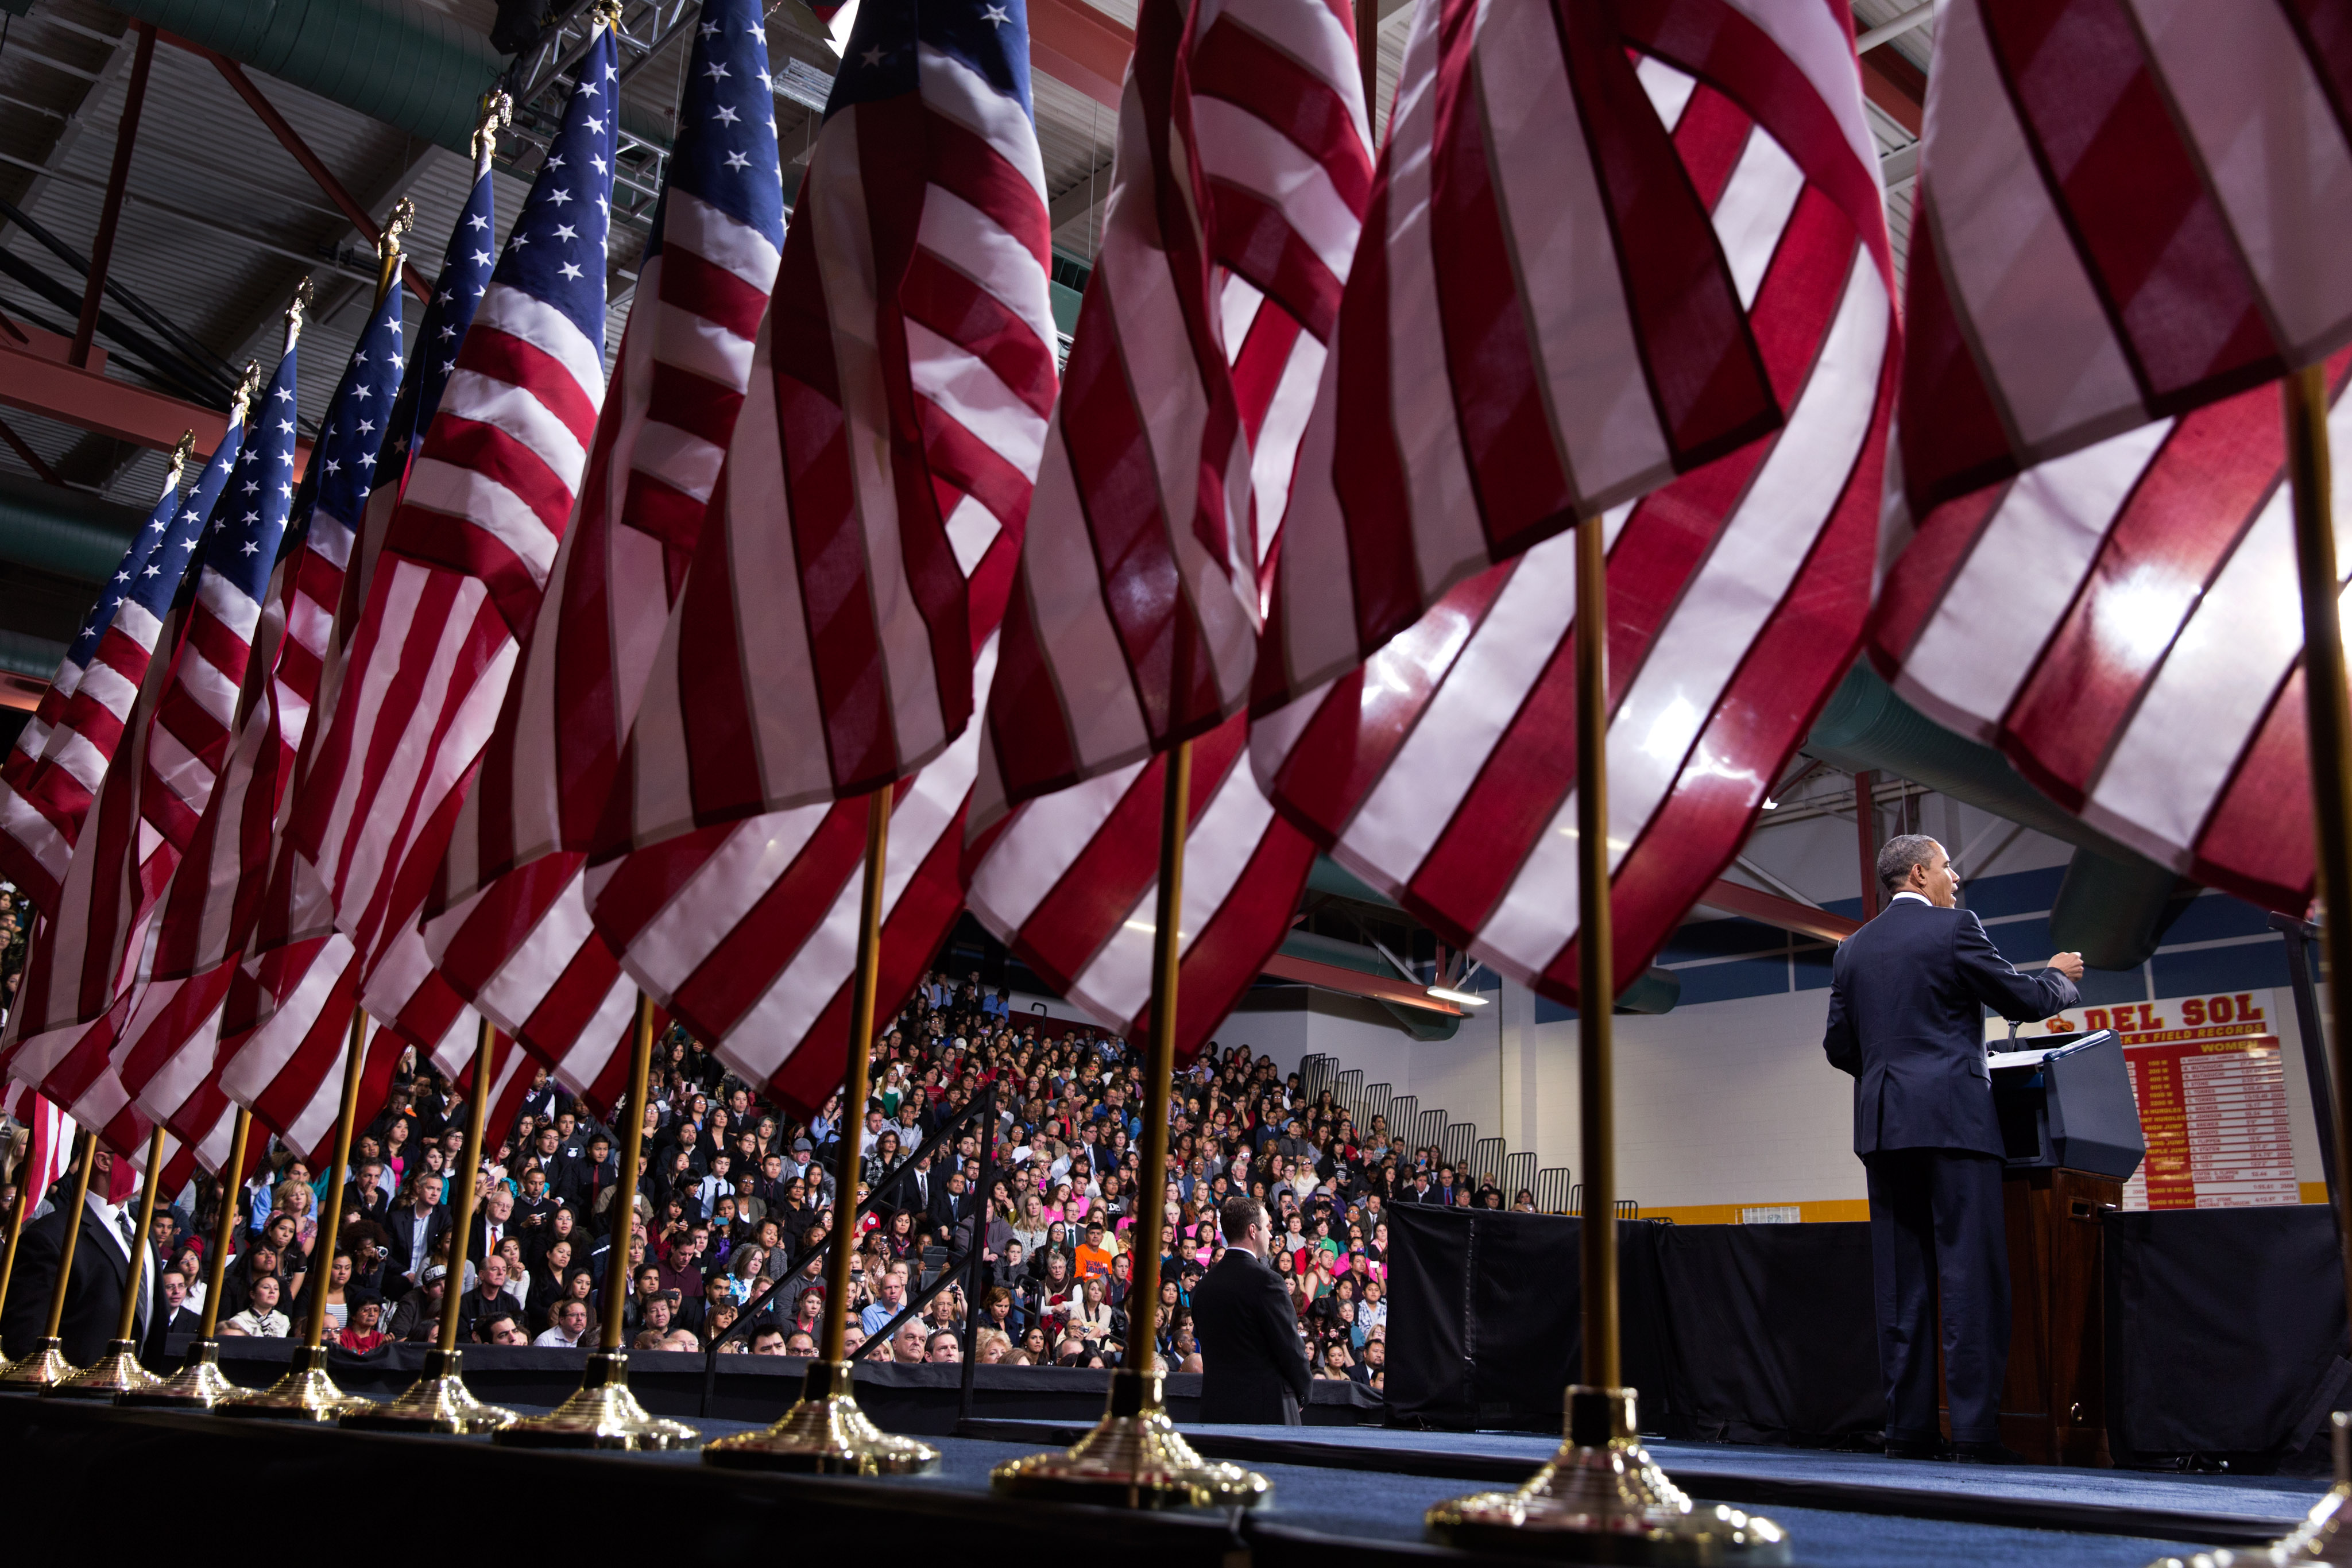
x: 489, y: 496
x: 2124, y: 220
x: 1539, y: 325
x: 1071, y: 884
x: 50, y: 1131
x: 271, y: 1020
x: 822, y: 646
x: 25, y: 754
x: 1443, y: 771
x: 208, y: 912
x: 747, y: 931
x: 177, y: 730
x: 1070, y: 880
x: 1133, y: 624
x: 508, y: 925
x: 41, y: 817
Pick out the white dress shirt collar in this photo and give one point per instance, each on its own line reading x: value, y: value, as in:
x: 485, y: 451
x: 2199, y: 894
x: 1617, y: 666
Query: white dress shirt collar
x: 1913, y: 897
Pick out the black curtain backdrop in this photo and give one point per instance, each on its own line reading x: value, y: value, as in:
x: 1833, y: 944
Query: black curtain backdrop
x: 2226, y: 1330
x: 1484, y: 1326
x: 2225, y: 1333
x: 1770, y: 1335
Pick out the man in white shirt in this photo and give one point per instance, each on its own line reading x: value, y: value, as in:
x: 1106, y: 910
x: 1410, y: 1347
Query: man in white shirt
x: 570, y: 1326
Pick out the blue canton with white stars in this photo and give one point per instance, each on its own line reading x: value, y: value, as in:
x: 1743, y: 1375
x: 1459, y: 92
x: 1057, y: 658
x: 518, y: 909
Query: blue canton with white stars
x: 726, y: 151
x: 342, y: 467
x: 134, y: 560
x: 242, y: 543
x: 556, y: 252
x: 991, y: 36
x: 465, y: 272
x: 158, y: 581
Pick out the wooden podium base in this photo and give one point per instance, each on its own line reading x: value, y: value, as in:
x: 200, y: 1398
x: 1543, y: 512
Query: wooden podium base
x: 2053, y: 1407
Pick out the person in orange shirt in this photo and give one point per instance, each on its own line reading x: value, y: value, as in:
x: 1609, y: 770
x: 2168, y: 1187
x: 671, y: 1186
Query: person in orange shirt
x: 1094, y: 1254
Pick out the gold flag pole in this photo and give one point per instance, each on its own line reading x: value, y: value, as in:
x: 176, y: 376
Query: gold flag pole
x: 603, y: 1413
x: 118, y: 1371
x: 305, y: 1393
x: 200, y: 1383
x: 2325, y: 1533
x: 47, y: 1365
x: 1135, y: 1458
x: 825, y: 1432
x: 1602, y: 1498
x: 22, y: 1207
x: 439, y: 1401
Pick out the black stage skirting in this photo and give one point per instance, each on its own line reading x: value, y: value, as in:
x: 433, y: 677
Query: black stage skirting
x: 1336, y: 1503
x: 2226, y: 1329
x: 925, y: 1400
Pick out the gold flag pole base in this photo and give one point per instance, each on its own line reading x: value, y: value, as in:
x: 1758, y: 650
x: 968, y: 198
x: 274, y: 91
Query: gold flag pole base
x: 1603, y: 1500
x: 603, y: 1413
x: 305, y: 1393
x: 44, y: 1369
x: 2323, y: 1536
x: 439, y: 1401
x: 824, y: 1434
x: 201, y: 1385
x: 117, y: 1373
x: 1135, y: 1458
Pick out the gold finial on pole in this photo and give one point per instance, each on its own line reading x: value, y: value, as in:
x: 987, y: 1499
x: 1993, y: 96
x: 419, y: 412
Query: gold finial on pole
x: 248, y: 384
x: 200, y: 1383
x: 184, y: 449
x: 118, y: 1371
x: 497, y: 113
x: 294, y: 309
x: 607, y: 13
x: 387, y: 246
x: 47, y: 1365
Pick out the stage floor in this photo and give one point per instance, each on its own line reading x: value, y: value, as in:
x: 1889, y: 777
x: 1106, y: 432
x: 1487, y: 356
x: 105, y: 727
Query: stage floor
x: 1356, y: 1497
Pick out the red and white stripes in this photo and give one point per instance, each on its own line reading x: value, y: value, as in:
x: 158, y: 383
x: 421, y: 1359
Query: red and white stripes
x: 2126, y: 208
x: 890, y: 437
x: 1443, y: 771
x: 1539, y: 324
x: 1071, y: 881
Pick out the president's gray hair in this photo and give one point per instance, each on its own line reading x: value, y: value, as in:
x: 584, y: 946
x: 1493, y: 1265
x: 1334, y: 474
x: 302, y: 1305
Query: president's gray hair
x: 1898, y: 854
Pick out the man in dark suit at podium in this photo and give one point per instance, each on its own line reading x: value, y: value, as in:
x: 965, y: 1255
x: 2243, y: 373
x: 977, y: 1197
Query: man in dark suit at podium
x: 1907, y: 999
x: 1253, y: 1367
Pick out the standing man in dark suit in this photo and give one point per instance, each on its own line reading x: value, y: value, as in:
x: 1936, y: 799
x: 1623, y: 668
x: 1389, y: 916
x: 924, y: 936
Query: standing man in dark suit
x: 102, y: 1268
x: 1253, y: 1367
x: 1907, y: 995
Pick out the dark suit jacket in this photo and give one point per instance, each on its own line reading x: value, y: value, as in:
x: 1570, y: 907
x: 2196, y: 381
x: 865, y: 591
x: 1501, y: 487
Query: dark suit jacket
x: 1907, y: 995
x: 162, y: 1327
x: 402, y: 1223
x: 93, y: 1296
x: 1253, y: 1367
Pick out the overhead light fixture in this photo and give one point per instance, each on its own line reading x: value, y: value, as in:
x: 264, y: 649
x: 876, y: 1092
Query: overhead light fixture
x: 1467, y: 999
x: 1771, y: 804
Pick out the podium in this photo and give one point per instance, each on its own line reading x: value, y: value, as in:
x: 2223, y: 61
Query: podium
x: 2070, y: 1129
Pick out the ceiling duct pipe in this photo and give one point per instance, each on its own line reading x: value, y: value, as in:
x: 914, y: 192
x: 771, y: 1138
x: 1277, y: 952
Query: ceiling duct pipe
x: 2114, y: 903
x: 63, y: 532
x: 406, y: 63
